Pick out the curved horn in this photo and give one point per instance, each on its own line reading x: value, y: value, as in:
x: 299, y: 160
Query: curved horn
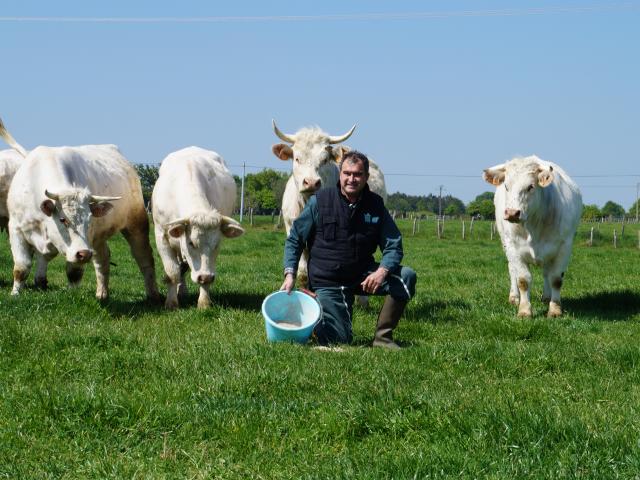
x: 52, y: 196
x: 6, y: 136
x: 178, y: 221
x: 283, y: 136
x: 99, y: 198
x: 341, y: 138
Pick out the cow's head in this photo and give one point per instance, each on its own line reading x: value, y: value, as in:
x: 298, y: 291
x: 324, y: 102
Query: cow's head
x: 200, y: 236
x: 315, y: 155
x: 71, y: 212
x: 522, y: 180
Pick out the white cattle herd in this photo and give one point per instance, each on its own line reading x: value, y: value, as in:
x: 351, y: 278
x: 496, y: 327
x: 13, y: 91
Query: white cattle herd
x: 71, y: 200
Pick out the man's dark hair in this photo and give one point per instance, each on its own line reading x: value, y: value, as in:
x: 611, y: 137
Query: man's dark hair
x: 353, y: 157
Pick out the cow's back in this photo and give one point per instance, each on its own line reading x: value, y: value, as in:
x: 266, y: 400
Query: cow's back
x: 193, y: 179
x: 102, y: 169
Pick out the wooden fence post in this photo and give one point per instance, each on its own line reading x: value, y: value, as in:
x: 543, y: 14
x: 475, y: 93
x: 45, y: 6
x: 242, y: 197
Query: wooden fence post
x: 251, y: 217
x: 491, y: 230
x: 591, y: 238
x: 463, y: 229
x: 615, y: 238
x: 471, y: 227
x: 414, y: 227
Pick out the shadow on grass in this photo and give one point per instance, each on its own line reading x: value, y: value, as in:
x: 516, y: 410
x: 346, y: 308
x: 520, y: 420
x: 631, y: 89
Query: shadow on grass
x: 437, y: 311
x: 620, y: 305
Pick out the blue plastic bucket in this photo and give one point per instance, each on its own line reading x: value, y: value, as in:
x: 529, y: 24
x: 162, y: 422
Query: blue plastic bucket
x: 290, y: 317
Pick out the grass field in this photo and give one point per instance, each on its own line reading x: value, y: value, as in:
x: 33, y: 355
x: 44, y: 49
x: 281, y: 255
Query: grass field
x: 125, y: 389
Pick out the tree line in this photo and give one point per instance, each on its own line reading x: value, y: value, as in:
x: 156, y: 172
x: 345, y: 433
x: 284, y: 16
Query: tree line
x: 264, y: 190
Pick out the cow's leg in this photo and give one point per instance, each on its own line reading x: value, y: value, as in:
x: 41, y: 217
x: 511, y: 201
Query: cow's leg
x: 22, y: 257
x: 42, y: 262
x: 75, y: 272
x: 102, y: 266
x: 524, y: 281
x: 556, y: 278
x: 172, y: 269
x: 182, y: 286
x: 514, y: 293
x: 137, y: 235
x: 204, y: 301
x: 546, y: 289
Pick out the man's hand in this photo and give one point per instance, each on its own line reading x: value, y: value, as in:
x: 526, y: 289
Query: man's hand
x: 289, y: 283
x: 374, y: 280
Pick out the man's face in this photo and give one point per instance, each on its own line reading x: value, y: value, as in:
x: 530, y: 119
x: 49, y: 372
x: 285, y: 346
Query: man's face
x: 352, y: 179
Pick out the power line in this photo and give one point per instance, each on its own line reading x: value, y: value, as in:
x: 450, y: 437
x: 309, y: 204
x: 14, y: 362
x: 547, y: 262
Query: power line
x: 335, y: 17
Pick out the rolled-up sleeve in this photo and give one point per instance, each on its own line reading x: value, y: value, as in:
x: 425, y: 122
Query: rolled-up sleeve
x: 390, y: 243
x: 301, y: 231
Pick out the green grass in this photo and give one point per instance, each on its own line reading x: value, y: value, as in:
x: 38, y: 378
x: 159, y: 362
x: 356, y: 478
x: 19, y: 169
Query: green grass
x: 125, y: 389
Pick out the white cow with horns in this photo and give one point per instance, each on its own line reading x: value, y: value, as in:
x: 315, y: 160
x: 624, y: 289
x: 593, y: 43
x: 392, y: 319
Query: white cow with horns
x: 70, y: 200
x: 192, y: 199
x: 316, y: 156
x: 538, y: 209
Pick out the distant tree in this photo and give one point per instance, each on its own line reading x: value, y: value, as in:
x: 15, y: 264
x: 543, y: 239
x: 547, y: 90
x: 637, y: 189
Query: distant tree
x: 632, y: 208
x: 485, y: 196
x: 484, y: 208
x: 263, y: 191
x: 454, y: 207
x: 148, y: 177
x: 591, y: 212
x: 612, y: 209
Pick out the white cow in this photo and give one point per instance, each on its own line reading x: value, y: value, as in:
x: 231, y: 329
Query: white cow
x: 191, y: 200
x: 538, y: 209
x: 10, y: 160
x: 60, y: 202
x: 315, y: 164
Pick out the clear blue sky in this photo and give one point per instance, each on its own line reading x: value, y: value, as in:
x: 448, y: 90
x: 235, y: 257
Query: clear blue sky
x: 449, y: 89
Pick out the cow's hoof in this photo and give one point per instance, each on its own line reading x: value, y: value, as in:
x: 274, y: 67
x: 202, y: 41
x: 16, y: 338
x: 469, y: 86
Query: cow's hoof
x: 171, y: 304
x: 555, y: 310
x: 41, y: 282
x: 524, y: 312
x: 514, y: 299
x: 204, y: 303
x: 102, y: 295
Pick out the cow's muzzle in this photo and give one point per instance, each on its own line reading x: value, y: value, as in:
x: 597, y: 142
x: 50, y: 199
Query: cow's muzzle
x: 205, y: 278
x: 83, y: 256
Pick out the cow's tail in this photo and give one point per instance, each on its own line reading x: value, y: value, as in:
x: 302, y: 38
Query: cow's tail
x: 6, y: 136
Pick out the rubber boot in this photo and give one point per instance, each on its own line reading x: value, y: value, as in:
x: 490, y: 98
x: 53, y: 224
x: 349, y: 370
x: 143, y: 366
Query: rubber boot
x: 388, y: 320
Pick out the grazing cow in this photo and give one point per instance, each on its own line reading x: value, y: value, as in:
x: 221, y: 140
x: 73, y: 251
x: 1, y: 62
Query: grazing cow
x: 191, y: 200
x: 538, y: 209
x: 10, y: 160
x: 60, y: 201
x: 315, y: 164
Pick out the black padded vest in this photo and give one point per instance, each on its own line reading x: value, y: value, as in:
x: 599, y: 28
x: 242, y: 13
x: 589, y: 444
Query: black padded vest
x: 345, y: 238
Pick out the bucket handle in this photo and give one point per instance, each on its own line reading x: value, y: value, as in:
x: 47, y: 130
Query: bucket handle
x: 308, y: 292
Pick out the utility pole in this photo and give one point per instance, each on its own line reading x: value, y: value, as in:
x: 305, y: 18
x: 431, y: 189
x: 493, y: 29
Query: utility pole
x: 440, y: 202
x: 244, y: 165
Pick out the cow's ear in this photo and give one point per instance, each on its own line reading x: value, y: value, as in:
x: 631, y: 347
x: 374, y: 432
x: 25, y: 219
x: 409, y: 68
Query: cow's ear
x: 48, y: 207
x: 338, y: 152
x: 545, y: 177
x: 177, y: 231
x: 230, y: 228
x: 494, y: 175
x: 282, y: 151
x: 100, y: 209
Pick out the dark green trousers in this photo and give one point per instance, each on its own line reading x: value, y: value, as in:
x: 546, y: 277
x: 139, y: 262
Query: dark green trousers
x: 337, y: 303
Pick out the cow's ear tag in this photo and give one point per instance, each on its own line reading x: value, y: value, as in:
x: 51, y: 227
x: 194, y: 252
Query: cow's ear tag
x: 100, y: 209
x: 48, y: 207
